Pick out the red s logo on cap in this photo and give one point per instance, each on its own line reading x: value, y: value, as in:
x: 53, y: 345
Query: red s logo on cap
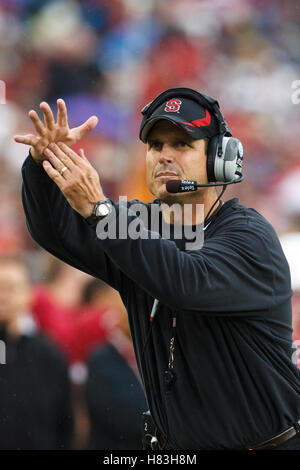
x: 173, y: 105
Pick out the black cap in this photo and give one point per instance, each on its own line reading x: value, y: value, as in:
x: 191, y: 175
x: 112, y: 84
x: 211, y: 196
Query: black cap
x: 196, y: 120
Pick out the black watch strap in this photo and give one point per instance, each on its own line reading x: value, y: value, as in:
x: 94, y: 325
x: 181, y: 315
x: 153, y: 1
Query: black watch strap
x: 93, y: 219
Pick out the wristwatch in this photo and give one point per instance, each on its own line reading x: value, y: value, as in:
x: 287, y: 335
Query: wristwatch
x: 101, y: 210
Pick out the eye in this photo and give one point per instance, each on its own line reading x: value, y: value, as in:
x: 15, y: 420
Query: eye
x: 181, y: 143
x: 155, y: 144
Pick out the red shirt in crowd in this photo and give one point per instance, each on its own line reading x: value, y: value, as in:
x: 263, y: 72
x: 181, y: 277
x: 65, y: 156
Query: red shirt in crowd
x: 77, y: 331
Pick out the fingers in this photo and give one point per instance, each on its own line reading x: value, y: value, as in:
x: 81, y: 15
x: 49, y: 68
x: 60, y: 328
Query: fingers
x: 82, y: 154
x: 62, y: 115
x: 86, y: 127
x: 59, y: 159
x: 54, y: 174
x: 39, y: 126
x: 67, y: 151
x: 28, y: 139
x: 48, y: 115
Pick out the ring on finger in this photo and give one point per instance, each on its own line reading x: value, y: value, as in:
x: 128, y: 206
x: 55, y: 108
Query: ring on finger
x: 63, y: 170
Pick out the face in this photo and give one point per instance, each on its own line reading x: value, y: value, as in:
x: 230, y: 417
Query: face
x: 173, y: 154
x: 14, y: 291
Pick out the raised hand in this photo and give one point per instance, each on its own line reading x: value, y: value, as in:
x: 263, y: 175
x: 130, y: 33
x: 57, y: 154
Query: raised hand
x: 74, y: 175
x: 50, y: 131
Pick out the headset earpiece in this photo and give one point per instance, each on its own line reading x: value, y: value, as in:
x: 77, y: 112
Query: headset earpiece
x: 224, y: 158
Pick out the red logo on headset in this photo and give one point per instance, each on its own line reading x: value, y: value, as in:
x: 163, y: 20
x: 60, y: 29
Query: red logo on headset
x: 173, y: 106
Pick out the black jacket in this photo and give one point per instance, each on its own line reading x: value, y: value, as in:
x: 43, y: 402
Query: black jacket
x: 35, y: 397
x: 235, y: 382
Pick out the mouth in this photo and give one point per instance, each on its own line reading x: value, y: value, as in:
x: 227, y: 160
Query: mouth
x: 166, y: 175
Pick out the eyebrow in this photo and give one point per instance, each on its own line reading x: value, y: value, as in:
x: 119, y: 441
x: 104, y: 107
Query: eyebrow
x: 185, y: 138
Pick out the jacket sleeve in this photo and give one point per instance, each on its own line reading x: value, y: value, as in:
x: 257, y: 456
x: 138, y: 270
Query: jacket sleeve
x: 237, y: 270
x: 57, y: 228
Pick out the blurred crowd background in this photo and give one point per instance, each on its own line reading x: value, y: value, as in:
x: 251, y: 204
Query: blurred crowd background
x: 110, y: 58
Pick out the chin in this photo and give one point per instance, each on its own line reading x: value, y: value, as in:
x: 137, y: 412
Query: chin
x: 160, y: 192
x: 167, y: 197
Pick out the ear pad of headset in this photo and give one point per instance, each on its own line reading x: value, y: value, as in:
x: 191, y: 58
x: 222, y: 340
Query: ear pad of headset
x: 227, y: 166
x: 211, y: 156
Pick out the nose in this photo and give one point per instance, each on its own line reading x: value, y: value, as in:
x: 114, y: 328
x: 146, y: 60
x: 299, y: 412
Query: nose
x: 166, y: 154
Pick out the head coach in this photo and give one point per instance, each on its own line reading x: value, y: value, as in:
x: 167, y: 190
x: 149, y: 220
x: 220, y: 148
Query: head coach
x: 211, y: 327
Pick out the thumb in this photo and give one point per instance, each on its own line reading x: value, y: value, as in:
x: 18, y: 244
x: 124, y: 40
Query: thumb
x: 86, y: 127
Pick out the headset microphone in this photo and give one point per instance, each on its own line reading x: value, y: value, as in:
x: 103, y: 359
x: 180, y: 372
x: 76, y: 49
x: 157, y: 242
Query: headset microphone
x: 183, y: 186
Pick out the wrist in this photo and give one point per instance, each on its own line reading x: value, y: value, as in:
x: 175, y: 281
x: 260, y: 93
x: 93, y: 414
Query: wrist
x: 89, y: 211
x: 91, y: 206
x: 101, y: 209
x: 35, y: 156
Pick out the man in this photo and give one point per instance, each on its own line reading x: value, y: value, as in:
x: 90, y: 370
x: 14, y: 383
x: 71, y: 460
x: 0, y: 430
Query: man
x: 216, y: 358
x: 35, y: 411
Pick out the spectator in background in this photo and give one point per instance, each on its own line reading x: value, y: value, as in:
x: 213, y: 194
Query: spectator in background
x: 35, y: 411
x: 76, y: 327
x: 58, y: 311
x: 114, y: 394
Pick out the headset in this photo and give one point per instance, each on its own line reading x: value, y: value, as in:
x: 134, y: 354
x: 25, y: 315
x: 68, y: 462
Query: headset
x: 224, y: 152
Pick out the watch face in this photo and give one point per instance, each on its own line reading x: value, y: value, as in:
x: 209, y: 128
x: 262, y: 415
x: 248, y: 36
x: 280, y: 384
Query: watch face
x: 102, y: 210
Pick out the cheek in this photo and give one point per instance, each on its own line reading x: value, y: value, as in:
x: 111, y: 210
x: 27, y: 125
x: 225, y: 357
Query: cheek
x: 149, y: 169
x: 199, y: 166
